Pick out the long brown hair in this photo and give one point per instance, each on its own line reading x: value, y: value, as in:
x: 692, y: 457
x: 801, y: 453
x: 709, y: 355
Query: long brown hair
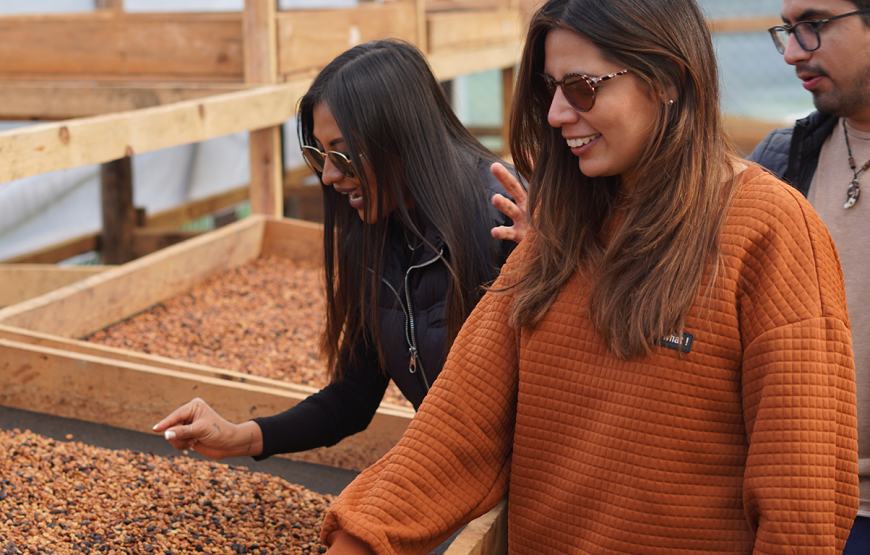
x: 390, y: 109
x: 650, y: 267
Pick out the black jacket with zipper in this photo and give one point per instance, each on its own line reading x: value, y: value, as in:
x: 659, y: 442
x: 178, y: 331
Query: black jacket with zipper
x: 792, y: 153
x: 412, y: 299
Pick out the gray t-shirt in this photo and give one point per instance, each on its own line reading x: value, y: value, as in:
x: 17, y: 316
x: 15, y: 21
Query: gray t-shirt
x: 850, y: 230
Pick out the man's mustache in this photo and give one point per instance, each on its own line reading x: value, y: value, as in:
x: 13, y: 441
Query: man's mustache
x: 811, y: 69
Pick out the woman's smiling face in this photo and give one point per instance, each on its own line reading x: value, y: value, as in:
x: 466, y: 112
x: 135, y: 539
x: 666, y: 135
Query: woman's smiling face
x: 328, y: 137
x: 609, y: 138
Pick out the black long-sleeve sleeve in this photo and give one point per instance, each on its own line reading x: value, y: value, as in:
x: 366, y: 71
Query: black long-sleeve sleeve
x: 337, y: 411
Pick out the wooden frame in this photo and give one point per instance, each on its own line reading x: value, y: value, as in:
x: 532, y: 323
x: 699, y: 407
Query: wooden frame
x: 26, y: 281
x: 205, y: 53
x: 46, y: 369
x: 110, y: 45
x: 209, y: 76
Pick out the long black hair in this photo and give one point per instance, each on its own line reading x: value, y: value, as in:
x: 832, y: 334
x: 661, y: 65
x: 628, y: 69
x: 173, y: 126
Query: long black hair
x: 392, y: 111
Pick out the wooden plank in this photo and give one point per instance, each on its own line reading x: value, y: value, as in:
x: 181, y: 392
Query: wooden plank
x: 60, y: 251
x: 192, y: 210
x: 306, y: 244
x: 472, y: 29
x: 150, y: 240
x: 26, y: 281
x: 449, y: 64
x: 52, y: 146
x: 744, y: 24
x: 56, y: 100
x: 94, y: 303
x: 310, y: 39
x: 135, y: 397
x: 104, y: 351
x: 435, y: 6
x: 486, y: 535
x: 119, y: 215
x: 111, y: 44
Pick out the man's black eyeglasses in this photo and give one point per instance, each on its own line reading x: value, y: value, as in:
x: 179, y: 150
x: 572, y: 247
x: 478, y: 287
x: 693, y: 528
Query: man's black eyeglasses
x: 316, y: 158
x: 806, y: 32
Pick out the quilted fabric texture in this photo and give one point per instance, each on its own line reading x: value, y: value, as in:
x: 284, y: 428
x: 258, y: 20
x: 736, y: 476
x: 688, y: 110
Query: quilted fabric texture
x: 746, y: 444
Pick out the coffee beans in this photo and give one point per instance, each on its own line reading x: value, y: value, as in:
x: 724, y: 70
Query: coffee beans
x: 263, y: 318
x: 70, y: 498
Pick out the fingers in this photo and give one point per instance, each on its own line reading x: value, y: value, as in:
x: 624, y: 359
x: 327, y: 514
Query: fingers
x: 182, y: 433
x: 510, y: 183
x: 507, y: 207
x: 197, y: 426
x: 183, y: 414
x: 181, y: 437
x: 183, y: 427
x: 507, y: 234
x: 515, y: 210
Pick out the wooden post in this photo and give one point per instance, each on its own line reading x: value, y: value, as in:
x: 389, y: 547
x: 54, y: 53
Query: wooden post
x: 115, y: 5
x: 119, y: 215
x: 422, y: 27
x: 261, y: 67
x: 508, y: 76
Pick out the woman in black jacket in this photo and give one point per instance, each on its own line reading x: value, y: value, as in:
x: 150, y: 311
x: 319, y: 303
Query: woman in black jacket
x: 411, y: 234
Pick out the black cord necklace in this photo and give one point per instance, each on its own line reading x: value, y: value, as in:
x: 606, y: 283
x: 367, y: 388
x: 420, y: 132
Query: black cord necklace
x: 854, y: 190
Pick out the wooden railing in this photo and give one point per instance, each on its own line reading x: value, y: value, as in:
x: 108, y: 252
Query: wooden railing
x: 142, y: 82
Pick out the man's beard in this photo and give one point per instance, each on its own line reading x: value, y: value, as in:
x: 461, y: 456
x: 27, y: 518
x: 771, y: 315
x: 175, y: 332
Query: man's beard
x: 845, y: 102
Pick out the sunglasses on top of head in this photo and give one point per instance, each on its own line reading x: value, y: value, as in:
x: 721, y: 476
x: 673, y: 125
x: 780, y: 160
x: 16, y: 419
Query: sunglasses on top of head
x: 806, y: 32
x: 579, y: 90
x: 316, y: 158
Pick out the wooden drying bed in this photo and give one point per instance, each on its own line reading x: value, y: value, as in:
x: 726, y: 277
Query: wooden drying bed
x: 43, y: 368
x: 46, y: 369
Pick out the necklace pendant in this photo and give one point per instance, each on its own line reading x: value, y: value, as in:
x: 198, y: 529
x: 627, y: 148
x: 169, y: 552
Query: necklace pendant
x: 852, y: 194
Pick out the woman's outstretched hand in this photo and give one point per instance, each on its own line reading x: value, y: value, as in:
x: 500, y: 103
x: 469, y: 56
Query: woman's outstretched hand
x: 197, y: 426
x: 515, y: 210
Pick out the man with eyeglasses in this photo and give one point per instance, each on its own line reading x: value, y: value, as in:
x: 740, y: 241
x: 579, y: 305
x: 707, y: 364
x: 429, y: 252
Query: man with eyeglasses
x: 826, y: 156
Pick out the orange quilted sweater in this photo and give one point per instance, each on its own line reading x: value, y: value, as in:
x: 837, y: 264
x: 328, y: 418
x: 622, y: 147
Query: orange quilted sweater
x: 745, y: 444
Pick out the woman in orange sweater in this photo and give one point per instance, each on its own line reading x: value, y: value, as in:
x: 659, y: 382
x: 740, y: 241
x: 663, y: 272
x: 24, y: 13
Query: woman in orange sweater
x: 665, y: 363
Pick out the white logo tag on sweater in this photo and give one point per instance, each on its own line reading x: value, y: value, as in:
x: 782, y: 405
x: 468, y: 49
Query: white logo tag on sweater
x: 673, y: 342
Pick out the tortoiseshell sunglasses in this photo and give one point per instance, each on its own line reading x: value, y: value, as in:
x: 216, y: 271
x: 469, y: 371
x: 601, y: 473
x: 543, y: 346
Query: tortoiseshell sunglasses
x: 579, y: 90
